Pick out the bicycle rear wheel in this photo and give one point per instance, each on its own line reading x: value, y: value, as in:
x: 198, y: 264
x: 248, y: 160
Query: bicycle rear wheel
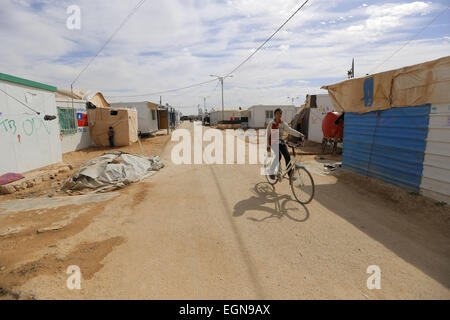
x: 302, y: 185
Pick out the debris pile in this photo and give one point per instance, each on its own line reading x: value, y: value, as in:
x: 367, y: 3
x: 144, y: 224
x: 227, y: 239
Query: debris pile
x: 332, y: 166
x: 112, y: 171
x: 21, y: 183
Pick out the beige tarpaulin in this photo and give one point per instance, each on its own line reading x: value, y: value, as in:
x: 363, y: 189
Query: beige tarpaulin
x: 76, y: 94
x: 99, y: 101
x: 416, y: 85
x: 123, y: 121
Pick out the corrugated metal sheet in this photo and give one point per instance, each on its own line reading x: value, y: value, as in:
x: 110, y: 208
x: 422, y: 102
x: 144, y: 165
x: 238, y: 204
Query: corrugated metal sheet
x: 436, y: 166
x: 388, y: 145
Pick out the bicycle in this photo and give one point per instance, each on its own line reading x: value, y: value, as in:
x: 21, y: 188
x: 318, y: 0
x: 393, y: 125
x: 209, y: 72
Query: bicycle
x: 301, y: 181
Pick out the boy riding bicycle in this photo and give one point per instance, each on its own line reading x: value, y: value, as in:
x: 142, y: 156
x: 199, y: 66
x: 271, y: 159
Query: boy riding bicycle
x: 275, y: 124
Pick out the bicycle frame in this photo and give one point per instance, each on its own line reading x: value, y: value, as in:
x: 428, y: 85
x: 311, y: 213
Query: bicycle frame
x: 298, y: 188
x: 292, y: 164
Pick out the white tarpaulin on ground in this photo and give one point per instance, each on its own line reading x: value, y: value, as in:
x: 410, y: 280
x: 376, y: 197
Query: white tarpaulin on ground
x: 113, y: 170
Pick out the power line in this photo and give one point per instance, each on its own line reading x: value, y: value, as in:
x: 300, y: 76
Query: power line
x: 161, y: 92
x: 268, y: 39
x: 407, y: 42
x: 19, y: 101
x: 136, y: 8
x: 205, y: 82
x: 215, y: 88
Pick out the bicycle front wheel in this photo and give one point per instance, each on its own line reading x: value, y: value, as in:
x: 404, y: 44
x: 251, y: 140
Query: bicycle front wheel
x: 267, y: 163
x: 302, y: 185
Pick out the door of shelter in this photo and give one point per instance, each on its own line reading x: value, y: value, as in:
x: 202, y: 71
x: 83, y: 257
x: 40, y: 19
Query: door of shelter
x: 162, y: 119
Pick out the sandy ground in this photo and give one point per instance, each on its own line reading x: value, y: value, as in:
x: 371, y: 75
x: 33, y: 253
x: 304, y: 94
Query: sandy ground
x: 221, y: 232
x: 151, y: 146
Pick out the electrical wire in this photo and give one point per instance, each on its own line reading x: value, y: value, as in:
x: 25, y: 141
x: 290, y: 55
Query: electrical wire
x: 19, y: 101
x: 162, y: 92
x: 136, y: 8
x: 214, y: 90
x: 234, y: 70
x: 407, y: 42
x: 268, y: 39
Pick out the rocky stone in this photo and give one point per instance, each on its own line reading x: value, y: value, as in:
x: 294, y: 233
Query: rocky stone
x: 60, y: 258
x: 30, y: 184
x: 11, y: 230
x: 64, y: 170
x: 69, y: 185
x: 51, y: 228
x: 7, y: 189
x: 70, y: 166
x: 38, y: 180
x: 19, y: 187
x: 2, y: 268
x: 53, y: 173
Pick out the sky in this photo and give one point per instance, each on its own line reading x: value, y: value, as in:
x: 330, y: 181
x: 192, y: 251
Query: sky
x: 175, y: 43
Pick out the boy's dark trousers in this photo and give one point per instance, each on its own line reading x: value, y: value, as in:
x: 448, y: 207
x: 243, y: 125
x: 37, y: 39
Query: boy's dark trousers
x: 283, y: 150
x: 111, y: 142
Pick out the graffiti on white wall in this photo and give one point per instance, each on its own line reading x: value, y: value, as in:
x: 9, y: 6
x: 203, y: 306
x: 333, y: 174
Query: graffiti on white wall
x: 25, y: 127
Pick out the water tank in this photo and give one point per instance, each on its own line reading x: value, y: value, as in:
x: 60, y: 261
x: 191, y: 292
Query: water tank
x: 329, y: 129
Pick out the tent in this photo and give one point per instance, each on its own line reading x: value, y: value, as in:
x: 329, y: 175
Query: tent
x: 397, y: 126
x: 99, y: 101
x: 408, y: 86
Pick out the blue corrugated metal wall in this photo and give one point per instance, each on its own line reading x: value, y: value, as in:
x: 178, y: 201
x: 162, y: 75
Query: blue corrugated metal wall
x: 387, y: 145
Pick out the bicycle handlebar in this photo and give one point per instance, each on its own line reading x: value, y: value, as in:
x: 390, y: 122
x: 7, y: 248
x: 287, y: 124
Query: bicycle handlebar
x: 294, y: 145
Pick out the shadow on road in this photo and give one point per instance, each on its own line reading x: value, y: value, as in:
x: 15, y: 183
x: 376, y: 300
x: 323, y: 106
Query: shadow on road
x: 424, y: 247
x: 264, y: 195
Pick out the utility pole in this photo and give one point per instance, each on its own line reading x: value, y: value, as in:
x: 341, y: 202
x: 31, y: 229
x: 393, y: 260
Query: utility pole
x: 221, y: 82
x: 168, y: 122
x: 223, y: 111
x: 159, y: 112
x: 351, y: 72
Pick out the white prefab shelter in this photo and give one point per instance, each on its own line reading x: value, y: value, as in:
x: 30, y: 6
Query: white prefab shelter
x: 147, y: 113
x: 319, y: 105
x: 260, y: 115
x: 73, y: 121
x: 27, y: 140
x: 436, y: 163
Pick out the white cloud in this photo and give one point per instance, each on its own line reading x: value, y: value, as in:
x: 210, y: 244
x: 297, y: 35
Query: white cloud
x: 175, y: 43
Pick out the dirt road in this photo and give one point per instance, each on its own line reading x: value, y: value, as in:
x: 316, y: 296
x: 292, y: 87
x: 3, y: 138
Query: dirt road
x: 220, y: 232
